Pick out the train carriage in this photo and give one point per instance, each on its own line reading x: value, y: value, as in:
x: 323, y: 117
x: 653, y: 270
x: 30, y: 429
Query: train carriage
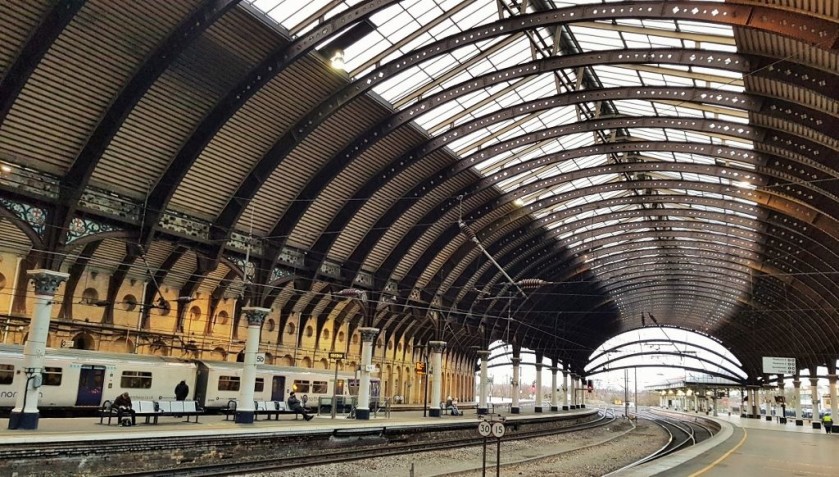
x: 79, y: 380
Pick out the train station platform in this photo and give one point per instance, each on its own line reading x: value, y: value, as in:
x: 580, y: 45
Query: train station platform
x: 89, y: 428
x: 751, y: 447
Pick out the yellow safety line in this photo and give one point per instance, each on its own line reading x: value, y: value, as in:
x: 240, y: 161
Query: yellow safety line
x: 723, y: 457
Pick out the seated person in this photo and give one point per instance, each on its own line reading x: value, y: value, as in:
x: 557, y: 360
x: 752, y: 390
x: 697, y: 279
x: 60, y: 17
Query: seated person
x: 449, y: 403
x: 123, y: 405
x: 295, y: 405
x: 455, y: 411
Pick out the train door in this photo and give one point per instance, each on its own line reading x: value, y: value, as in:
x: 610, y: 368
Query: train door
x: 91, y: 383
x: 278, y: 388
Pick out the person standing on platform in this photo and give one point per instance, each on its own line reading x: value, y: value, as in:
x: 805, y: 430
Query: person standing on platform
x: 827, y: 422
x: 181, y: 391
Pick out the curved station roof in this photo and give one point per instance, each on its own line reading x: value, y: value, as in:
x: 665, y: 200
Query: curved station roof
x: 544, y: 172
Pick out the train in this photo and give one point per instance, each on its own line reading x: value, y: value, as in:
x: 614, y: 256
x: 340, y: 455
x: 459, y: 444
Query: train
x: 80, y: 380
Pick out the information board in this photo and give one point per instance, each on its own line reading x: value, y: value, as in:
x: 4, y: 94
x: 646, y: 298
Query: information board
x: 776, y: 365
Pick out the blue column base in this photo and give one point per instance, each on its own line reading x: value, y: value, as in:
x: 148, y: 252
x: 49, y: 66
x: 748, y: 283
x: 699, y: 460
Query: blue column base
x: 482, y: 411
x: 799, y: 422
x: 554, y: 408
x: 362, y: 414
x: 782, y: 420
x: 244, y: 417
x: 817, y: 425
x: 582, y: 406
x: 434, y: 413
x: 24, y: 420
x: 515, y: 410
x: 768, y: 418
x: 537, y: 409
x: 564, y: 408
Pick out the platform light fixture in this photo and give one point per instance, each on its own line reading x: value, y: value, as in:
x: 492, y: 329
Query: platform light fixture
x: 337, y: 60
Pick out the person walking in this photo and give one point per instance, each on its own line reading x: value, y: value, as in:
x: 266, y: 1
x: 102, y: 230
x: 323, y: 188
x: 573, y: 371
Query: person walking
x: 294, y: 405
x: 827, y: 422
x: 181, y: 391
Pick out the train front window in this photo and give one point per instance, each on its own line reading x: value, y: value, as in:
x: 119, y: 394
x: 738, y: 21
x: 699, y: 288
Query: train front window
x: 228, y: 383
x: 135, y: 379
x: 259, y: 385
x: 320, y: 387
x: 301, y: 386
x: 52, y: 376
x: 7, y: 373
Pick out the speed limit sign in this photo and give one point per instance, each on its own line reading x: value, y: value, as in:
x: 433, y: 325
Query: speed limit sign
x: 498, y: 429
x: 485, y: 428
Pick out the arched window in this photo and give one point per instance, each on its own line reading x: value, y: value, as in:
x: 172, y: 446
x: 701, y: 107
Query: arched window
x: 222, y: 317
x: 129, y: 302
x: 90, y: 296
x: 325, y: 334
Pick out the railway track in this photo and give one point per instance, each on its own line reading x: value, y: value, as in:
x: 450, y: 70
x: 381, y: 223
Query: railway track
x: 352, y: 453
x: 683, y: 431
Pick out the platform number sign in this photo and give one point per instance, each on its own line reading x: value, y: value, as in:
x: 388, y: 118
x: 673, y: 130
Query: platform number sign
x: 260, y: 358
x: 485, y: 428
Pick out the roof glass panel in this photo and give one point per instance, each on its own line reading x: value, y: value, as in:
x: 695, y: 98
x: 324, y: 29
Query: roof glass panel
x: 405, y: 26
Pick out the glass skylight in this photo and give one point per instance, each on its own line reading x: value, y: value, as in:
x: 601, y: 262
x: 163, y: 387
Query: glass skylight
x: 403, y: 27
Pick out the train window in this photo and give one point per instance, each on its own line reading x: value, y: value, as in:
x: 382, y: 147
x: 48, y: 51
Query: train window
x: 339, y: 389
x: 228, y: 383
x: 52, y: 376
x: 319, y: 387
x: 135, y: 379
x: 259, y: 385
x: 300, y: 386
x: 7, y: 373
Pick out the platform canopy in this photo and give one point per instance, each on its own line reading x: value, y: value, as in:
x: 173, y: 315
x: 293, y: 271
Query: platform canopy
x: 622, y: 162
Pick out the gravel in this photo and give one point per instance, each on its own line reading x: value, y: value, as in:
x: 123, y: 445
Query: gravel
x: 592, y: 452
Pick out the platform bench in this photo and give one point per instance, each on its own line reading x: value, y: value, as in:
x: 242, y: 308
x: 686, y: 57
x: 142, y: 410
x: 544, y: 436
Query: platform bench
x: 141, y: 409
x: 261, y: 408
x: 179, y: 409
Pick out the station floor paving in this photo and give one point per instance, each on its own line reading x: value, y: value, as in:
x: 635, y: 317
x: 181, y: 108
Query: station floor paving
x: 753, y: 447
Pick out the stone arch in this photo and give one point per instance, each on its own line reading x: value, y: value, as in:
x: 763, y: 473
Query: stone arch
x: 159, y: 348
x: 287, y: 360
x: 123, y: 345
x: 324, y: 363
x: 306, y: 362
x: 218, y: 354
x: 84, y: 340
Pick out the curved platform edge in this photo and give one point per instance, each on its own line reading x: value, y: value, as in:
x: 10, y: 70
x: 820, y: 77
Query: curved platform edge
x: 727, y: 438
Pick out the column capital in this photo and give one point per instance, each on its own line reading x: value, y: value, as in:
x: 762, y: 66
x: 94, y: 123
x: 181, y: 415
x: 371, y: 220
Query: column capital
x: 515, y: 361
x: 483, y: 353
x: 538, y: 366
x: 814, y: 381
x: 368, y: 334
x: 831, y: 377
x: 436, y: 346
x: 255, y: 315
x: 796, y: 383
x: 554, y: 369
x: 47, y: 281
